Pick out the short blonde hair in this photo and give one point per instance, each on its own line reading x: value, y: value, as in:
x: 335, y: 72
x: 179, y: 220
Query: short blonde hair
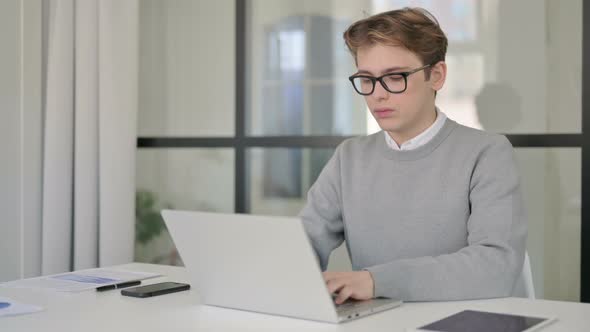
x: 416, y: 29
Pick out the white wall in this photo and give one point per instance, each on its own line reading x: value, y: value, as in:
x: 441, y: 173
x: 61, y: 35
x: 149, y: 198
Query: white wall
x: 20, y: 138
x: 10, y: 170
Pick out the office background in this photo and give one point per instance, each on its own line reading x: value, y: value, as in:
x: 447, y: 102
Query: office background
x: 240, y: 103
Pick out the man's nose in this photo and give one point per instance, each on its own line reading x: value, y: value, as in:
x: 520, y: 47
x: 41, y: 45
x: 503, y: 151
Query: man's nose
x: 380, y: 92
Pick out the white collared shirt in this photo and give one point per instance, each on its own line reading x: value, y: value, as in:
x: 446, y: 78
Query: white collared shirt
x: 421, y: 139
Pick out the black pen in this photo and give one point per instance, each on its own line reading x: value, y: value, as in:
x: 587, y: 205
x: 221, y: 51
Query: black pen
x: 120, y: 285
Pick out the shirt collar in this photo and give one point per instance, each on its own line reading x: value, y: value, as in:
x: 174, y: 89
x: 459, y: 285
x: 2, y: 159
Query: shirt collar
x: 422, y: 138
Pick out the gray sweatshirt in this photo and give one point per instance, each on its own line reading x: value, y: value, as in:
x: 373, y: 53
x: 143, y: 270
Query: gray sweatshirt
x: 445, y: 221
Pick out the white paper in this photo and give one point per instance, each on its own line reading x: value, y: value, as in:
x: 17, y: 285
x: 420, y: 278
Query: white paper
x: 80, y: 280
x: 15, y: 308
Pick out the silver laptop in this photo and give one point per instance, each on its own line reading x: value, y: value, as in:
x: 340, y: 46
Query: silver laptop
x: 261, y: 264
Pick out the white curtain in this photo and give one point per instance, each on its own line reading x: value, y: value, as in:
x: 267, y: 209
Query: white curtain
x: 90, y: 109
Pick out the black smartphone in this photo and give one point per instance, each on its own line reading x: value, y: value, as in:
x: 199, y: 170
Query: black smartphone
x: 155, y: 289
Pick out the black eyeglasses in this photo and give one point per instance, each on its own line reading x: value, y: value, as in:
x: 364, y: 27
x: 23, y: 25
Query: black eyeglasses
x: 392, y: 82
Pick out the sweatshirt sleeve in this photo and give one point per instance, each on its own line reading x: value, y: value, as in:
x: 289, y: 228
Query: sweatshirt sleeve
x: 322, y: 214
x: 491, y: 262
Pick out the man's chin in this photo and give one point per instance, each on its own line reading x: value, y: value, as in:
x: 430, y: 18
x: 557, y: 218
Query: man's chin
x: 389, y: 125
x: 391, y: 129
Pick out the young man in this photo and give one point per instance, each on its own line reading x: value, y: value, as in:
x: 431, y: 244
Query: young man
x: 430, y: 209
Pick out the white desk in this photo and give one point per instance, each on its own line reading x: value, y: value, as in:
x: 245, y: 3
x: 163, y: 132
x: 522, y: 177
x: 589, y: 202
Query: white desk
x: 110, y: 311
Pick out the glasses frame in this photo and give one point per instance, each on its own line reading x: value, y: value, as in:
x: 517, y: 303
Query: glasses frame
x: 379, y: 79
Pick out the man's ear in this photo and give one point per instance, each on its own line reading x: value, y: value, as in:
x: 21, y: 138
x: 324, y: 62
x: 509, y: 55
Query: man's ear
x: 438, y: 74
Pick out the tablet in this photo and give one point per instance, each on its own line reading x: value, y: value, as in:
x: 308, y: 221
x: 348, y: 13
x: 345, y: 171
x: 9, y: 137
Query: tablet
x: 481, y: 321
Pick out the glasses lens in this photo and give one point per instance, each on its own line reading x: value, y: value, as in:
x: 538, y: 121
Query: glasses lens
x: 395, y: 82
x: 363, y: 85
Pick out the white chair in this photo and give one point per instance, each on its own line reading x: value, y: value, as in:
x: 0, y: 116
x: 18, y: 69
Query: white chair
x: 524, y: 286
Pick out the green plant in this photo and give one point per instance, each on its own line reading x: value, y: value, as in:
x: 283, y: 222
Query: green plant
x: 148, y: 221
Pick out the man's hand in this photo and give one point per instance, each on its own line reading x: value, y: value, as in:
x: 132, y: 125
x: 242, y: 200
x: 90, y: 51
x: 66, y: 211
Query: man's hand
x: 356, y: 285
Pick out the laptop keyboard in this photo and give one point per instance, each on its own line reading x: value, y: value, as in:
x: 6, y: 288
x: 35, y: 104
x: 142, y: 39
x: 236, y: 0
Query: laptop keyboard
x: 356, y: 306
x: 351, y: 304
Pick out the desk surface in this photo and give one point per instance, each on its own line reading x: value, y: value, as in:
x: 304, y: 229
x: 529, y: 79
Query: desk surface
x: 110, y: 311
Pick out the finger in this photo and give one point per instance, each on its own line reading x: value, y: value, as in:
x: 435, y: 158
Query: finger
x: 335, y: 286
x: 329, y: 275
x: 343, y: 295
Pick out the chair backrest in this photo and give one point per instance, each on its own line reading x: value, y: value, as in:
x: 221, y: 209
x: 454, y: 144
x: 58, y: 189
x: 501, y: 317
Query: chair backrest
x: 524, y: 286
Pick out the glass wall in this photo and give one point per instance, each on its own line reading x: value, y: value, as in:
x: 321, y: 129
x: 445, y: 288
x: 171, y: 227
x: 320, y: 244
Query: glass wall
x: 186, y: 88
x: 279, y: 188
x: 186, y: 68
x: 551, y: 181
x: 503, y: 76
x: 551, y: 184
x: 186, y: 179
x: 298, y: 68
